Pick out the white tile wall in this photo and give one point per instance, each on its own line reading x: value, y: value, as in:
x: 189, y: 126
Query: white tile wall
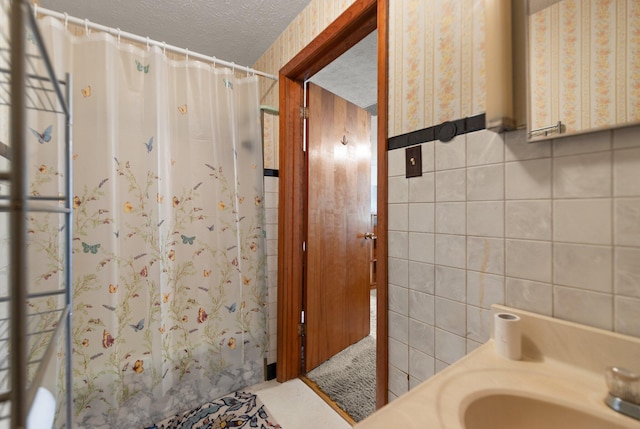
x: 551, y: 227
x: 271, y: 220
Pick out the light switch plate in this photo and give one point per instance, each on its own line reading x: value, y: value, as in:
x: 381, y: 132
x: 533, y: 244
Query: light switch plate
x: 413, y: 161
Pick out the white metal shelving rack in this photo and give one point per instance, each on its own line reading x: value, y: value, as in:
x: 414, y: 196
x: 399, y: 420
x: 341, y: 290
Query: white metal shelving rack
x: 28, y: 82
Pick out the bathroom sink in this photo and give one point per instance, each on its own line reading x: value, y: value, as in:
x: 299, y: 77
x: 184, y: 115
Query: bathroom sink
x: 559, y: 383
x: 515, y: 411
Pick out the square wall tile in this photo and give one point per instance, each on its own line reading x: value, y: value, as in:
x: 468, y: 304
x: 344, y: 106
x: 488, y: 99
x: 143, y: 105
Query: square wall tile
x: 413, y: 383
x: 585, y: 307
x: 627, y: 316
x: 585, y: 221
x: 485, y: 218
x: 451, y: 316
x: 452, y: 154
x: 485, y: 183
x: 526, y: 180
x: 396, y: 163
x: 398, y: 190
x: 398, y: 381
x: 485, y: 255
x: 271, y: 184
x: 398, y: 217
x: 271, y: 215
x: 626, y: 137
x: 472, y: 345
x: 626, y: 172
x: 627, y: 271
x: 272, y: 230
x: 530, y: 260
x: 398, y: 244
x: 451, y: 218
x: 484, y: 147
x: 517, y: 148
x: 421, y: 366
x: 398, y: 299
x: 626, y: 221
x: 399, y: 327
x: 582, y: 176
x: 440, y: 365
x: 422, y: 336
x: 421, y: 247
x: 528, y: 219
x: 449, y: 347
x: 530, y: 296
x: 478, y: 324
x: 582, y: 143
x: 399, y: 355
x: 483, y: 289
x: 451, y: 185
x: 421, y: 277
x: 583, y: 266
x: 422, y: 189
x: 422, y: 217
x: 398, y: 271
x: 451, y: 250
x: 271, y: 200
x: 450, y: 283
x: 428, y: 156
x: 421, y: 307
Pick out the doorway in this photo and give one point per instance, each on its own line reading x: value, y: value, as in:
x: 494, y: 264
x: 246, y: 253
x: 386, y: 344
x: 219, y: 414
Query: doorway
x: 353, y: 25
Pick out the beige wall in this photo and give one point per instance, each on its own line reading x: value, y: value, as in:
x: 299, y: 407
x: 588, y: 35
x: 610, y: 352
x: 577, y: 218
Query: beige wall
x: 551, y: 227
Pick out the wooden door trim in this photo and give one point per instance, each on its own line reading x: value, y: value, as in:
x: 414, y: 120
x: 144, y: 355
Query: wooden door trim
x: 362, y: 17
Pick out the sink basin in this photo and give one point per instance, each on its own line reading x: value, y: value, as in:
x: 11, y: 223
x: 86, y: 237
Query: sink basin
x: 514, y: 411
x: 558, y: 384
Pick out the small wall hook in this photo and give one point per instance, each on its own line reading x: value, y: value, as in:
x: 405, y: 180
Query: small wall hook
x: 344, y: 140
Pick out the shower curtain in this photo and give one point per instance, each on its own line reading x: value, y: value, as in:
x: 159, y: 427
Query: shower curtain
x: 168, y: 241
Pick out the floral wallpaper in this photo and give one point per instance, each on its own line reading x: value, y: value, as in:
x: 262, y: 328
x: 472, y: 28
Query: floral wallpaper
x: 436, y: 58
x: 584, y: 64
x: 169, y: 292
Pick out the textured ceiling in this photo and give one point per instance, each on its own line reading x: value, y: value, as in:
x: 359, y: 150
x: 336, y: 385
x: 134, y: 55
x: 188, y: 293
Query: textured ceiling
x: 353, y: 75
x: 232, y: 30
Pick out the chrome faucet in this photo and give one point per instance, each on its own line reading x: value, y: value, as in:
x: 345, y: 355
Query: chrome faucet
x: 624, y: 391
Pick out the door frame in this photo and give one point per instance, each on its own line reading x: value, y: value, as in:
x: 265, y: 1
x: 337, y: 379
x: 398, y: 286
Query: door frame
x: 360, y: 19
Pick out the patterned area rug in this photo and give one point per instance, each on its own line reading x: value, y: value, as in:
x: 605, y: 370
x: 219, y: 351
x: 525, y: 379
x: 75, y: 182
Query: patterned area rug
x: 238, y: 410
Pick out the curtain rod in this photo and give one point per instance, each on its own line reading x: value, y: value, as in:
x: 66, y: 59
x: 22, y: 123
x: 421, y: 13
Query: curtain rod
x: 133, y: 37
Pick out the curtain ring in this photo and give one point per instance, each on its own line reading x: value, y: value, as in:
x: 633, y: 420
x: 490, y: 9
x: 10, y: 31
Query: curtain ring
x: 86, y: 27
x: 215, y: 60
x: 118, y: 35
x: 66, y: 21
x: 35, y: 10
x: 187, y: 55
x: 233, y: 68
x: 147, y: 43
x: 164, y: 48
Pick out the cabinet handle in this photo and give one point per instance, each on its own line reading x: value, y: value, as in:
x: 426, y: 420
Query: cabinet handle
x: 544, y: 131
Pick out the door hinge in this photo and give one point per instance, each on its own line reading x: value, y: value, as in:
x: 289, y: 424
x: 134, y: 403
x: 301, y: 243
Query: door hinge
x: 304, y: 112
x: 302, y: 329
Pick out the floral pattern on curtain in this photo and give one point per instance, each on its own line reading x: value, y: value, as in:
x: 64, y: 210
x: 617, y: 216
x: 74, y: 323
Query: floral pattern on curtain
x: 168, y: 250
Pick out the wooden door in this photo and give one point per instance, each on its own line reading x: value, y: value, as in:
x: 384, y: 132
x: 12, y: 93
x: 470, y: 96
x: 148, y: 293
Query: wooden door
x: 338, y: 216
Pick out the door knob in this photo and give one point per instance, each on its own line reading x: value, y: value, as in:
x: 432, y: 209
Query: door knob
x: 370, y: 236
